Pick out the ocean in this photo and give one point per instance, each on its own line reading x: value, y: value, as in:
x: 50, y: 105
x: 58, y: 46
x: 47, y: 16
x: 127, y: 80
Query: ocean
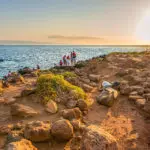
x: 14, y: 57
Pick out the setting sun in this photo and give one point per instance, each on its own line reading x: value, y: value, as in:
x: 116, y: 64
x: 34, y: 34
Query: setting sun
x: 143, y: 29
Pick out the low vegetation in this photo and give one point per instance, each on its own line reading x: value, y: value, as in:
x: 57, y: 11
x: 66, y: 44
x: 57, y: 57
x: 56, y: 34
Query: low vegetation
x: 50, y: 86
x: 68, y: 74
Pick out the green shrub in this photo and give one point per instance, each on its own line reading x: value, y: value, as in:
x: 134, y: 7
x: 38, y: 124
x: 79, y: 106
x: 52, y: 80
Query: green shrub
x: 49, y: 87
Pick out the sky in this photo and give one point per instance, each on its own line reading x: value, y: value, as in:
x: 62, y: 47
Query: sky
x: 75, y: 21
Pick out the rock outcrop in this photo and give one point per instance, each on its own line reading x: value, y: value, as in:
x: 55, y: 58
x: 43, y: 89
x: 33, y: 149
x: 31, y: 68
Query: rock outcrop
x: 37, y: 131
x: 21, y: 145
x: 22, y: 110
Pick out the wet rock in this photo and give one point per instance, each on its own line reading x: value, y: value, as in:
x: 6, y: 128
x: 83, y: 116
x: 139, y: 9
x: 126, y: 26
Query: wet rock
x: 51, y: 107
x: 27, y: 92
x: 70, y: 114
x: 22, y: 110
x: 87, y: 87
x: 107, y: 98
x: 37, y: 131
x: 82, y: 105
x: 95, y: 138
x: 62, y: 130
x: 71, y: 103
x: 94, y: 78
x: 21, y: 145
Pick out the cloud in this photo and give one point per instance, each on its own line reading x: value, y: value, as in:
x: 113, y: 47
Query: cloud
x: 74, y: 37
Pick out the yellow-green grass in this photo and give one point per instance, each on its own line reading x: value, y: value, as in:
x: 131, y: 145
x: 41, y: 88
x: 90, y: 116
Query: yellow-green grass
x: 50, y: 85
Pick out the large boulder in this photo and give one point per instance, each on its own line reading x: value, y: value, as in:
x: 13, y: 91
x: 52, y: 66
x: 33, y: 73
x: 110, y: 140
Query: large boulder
x: 70, y: 114
x: 107, y: 97
x: 51, y: 107
x: 95, y: 78
x: 21, y: 145
x: 37, y: 131
x: 62, y: 130
x: 93, y: 138
x: 87, y: 88
x: 22, y: 110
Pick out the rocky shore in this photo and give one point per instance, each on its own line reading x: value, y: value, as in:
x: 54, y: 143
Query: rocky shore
x: 67, y: 108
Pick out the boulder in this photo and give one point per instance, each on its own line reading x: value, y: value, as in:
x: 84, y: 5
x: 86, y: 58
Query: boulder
x: 70, y: 114
x: 37, y: 131
x: 22, y: 110
x: 27, y: 92
x: 95, y: 138
x: 21, y: 145
x: 51, y: 107
x: 94, y: 78
x: 71, y: 103
x: 87, y: 88
x: 82, y: 105
x: 107, y: 97
x: 62, y: 130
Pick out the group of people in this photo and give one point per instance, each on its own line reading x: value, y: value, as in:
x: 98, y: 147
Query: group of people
x: 68, y: 60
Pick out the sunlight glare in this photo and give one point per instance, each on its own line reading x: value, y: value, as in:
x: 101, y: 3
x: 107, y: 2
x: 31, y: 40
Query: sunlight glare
x: 143, y: 29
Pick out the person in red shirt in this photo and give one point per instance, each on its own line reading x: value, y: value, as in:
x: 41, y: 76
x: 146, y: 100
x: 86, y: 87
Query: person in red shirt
x: 74, y: 57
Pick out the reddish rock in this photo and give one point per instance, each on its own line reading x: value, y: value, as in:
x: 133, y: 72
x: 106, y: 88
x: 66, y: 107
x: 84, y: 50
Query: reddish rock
x: 62, y: 130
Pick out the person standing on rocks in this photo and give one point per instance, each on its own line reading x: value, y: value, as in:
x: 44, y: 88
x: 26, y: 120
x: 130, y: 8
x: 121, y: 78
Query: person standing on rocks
x: 74, y: 57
